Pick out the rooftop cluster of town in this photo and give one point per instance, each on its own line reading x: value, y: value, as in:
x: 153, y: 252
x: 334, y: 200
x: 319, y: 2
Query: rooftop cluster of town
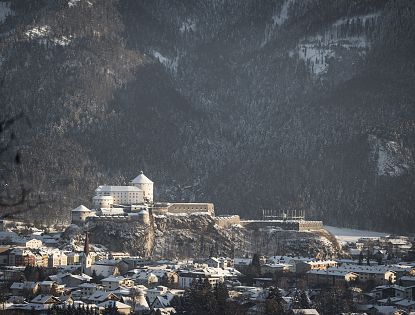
x: 43, y: 270
x: 39, y: 272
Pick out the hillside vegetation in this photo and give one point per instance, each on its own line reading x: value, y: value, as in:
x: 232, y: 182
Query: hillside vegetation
x: 247, y: 104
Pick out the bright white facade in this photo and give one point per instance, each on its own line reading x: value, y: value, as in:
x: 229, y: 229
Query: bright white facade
x: 102, y: 201
x: 121, y: 195
x: 133, y: 202
x: 145, y: 184
x: 80, y: 214
x: 33, y: 243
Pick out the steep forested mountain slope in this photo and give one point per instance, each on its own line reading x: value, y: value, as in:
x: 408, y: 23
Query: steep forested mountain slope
x: 250, y: 105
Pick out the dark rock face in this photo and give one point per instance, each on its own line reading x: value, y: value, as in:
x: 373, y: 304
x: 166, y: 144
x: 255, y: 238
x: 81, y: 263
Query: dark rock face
x: 250, y: 105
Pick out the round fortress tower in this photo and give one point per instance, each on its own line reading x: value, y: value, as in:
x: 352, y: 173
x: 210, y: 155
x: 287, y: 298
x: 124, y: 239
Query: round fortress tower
x: 145, y: 184
x: 80, y: 214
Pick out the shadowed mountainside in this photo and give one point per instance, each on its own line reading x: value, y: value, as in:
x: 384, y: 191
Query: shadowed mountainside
x: 278, y: 104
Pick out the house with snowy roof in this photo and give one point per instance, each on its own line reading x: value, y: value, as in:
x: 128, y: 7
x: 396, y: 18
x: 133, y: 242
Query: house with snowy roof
x: 72, y: 281
x: 162, y: 301
x: 113, y: 282
x: 330, y: 277
x: 45, y: 299
x: 145, y: 278
x: 26, y: 287
x: 87, y: 289
x: 101, y: 296
x: 380, y: 274
x: 121, y: 307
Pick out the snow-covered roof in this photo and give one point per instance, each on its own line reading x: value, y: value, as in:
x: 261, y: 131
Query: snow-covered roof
x: 116, y: 188
x: 407, y: 278
x: 100, y: 296
x: 141, y: 179
x: 385, y: 309
x: 113, y: 279
x: 405, y: 303
x: 330, y: 272
x: 81, y: 208
x: 117, y: 304
x: 112, y: 211
x: 17, y: 285
x: 42, y: 299
x: 377, y: 269
x: 306, y: 311
x: 87, y: 285
x: 242, y: 261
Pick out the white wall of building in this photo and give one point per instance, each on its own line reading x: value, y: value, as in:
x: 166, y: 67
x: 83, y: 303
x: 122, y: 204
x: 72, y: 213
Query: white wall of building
x: 124, y: 195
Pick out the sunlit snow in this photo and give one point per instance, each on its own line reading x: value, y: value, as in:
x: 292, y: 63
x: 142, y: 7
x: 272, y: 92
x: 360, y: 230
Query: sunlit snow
x: 72, y: 3
x: 317, y: 50
x: 391, y: 158
x: 352, y: 235
x: 170, y: 64
x: 43, y: 35
x: 187, y: 26
x: 279, y: 17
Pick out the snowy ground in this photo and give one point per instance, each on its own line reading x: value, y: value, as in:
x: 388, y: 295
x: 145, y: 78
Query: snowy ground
x: 351, y: 235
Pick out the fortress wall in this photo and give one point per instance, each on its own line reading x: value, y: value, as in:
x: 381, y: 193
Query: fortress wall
x: 192, y: 208
x: 310, y: 225
x: 113, y: 218
x: 226, y: 221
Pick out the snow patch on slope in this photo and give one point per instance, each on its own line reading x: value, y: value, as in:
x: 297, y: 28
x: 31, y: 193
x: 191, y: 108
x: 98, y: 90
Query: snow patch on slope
x: 38, y: 32
x: 169, y: 63
x: 282, y: 16
x: 42, y: 34
x: 74, y: 3
x: 5, y: 11
x: 345, y: 34
x: 188, y: 26
x: 354, y: 19
x: 316, y: 57
x: 278, y: 18
x: 390, y: 157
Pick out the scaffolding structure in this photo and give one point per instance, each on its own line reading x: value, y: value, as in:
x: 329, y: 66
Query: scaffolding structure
x: 294, y: 215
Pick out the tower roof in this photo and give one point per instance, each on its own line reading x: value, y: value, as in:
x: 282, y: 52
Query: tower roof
x: 141, y: 179
x: 81, y: 208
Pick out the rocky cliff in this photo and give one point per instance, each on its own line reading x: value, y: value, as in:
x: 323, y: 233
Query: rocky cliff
x: 187, y: 236
x: 276, y: 104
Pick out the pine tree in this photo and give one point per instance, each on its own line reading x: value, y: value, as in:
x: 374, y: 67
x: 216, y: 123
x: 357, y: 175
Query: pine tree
x: 221, y: 296
x: 273, y: 304
x: 304, y: 301
x: 300, y: 300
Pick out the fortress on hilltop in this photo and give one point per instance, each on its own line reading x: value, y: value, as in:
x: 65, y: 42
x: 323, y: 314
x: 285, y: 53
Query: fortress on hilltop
x: 135, y: 202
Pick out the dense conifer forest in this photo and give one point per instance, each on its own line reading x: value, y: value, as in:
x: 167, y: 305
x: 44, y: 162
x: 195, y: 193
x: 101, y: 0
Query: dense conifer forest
x: 248, y: 104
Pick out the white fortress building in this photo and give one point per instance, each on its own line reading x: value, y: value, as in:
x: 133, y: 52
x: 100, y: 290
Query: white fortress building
x: 145, y: 185
x: 133, y: 202
x: 140, y: 192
